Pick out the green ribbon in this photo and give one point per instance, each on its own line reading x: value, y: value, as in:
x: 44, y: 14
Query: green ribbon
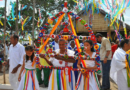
x: 128, y: 78
x: 29, y: 69
x: 25, y: 80
x: 128, y: 71
x: 58, y: 80
x: 97, y: 80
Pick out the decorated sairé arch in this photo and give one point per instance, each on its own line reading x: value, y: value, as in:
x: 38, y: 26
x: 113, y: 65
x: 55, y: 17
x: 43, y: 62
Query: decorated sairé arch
x: 73, y: 34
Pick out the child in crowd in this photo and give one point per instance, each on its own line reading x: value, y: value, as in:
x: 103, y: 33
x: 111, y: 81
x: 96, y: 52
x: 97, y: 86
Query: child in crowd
x: 88, y: 80
x: 27, y: 77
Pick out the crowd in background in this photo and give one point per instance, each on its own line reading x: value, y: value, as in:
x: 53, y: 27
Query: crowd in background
x: 106, y: 50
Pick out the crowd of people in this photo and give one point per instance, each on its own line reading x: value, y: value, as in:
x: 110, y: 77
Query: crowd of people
x: 24, y: 74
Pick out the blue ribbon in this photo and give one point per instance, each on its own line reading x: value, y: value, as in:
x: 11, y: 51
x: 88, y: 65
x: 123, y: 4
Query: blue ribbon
x: 71, y: 81
x: 28, y: 21
x: 32, y: 82
x: 19, y: 15
x: 59, y: 72
x: 0, y: 59
x: 13, y: 10
x: 79, y: 81
x: 24, y: 7
x: 124, y: 3
x: 128, y: 4
x: 109, y: 4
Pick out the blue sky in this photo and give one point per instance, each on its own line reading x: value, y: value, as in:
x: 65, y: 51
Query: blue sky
x: 126, y: 14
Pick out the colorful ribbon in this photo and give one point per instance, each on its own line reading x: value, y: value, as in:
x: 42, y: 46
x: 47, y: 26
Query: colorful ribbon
x: 1, y: 23
x: 24, y: 23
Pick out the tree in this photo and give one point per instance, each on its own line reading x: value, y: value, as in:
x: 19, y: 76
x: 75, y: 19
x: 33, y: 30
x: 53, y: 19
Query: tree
x: 46, y: 6
x: 33, y: 21
x: 16, y: 28
x: 2, y: 11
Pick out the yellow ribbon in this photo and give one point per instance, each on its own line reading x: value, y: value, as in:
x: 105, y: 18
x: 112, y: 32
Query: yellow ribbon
x: 29, y: 40
x: 125, y: 31
x: 85, y: 83
x: 116, y: 16
x: 75, y: 1
x: 24, y: 23
x: 52, y: 88
x: 1, y: 23
x: 117, y: 26
x: 64, y: 76
x: 127, y: 65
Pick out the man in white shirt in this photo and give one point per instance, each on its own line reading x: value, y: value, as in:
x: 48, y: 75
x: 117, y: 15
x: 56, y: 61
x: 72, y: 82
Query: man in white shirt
x: 118, y: 70
x: 15, y: 60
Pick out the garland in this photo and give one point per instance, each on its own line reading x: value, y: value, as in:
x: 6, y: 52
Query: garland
x: 128, y: 67
x: 62, y: 68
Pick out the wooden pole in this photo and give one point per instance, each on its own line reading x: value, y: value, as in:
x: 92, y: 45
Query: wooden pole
x: 33, y: 23
x: 4, y: 41
x: 16, y: 27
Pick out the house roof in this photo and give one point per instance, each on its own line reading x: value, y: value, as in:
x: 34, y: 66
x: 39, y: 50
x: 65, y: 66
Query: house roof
x: 104, y: 13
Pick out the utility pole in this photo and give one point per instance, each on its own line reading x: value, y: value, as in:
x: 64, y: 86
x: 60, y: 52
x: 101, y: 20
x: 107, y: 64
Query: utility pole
x: 4, y: 41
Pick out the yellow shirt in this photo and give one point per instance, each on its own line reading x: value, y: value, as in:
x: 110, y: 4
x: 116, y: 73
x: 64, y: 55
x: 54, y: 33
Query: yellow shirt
x: 43, y: 61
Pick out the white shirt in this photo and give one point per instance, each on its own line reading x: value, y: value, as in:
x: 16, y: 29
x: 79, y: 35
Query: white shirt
x: 56, y: 63
x: 118, y: 64
x: 16, y: 55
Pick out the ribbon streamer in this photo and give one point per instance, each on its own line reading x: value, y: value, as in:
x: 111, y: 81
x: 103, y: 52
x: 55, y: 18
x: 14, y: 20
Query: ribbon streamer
x: 1, y: 23
x: 116, y: 16
x: 24, y: 23
x: 28, y: 21
x: 13, y: 10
